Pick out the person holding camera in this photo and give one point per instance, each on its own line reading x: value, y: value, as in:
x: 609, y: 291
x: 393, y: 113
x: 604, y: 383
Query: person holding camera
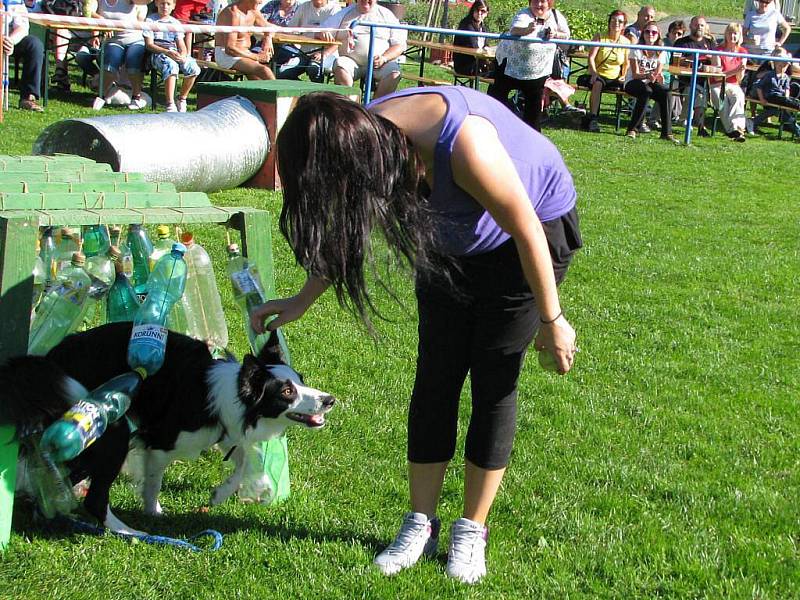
x: 525, y: 66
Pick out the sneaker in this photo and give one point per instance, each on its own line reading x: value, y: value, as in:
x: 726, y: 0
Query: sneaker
x: 418, y: 535
x: 171, y: 107
x: 594, y: 126
x: 466, y: 559
x: 137, y: 103
x: 30, y: 103
x: 98, y: 103
x: 643, y: 128
x: 571, y: 108
x: 181, y: 104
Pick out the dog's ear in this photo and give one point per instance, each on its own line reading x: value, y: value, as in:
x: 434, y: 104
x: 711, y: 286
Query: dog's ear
x: 271, y: 353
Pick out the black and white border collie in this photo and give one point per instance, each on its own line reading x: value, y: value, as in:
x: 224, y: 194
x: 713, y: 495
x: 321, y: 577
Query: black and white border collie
x: 192, y: 403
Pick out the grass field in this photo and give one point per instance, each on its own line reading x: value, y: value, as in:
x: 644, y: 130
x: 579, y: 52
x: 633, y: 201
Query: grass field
x: 665, y: 465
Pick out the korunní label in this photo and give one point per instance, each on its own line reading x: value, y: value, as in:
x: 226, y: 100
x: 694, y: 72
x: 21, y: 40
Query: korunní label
x: 149, y: 335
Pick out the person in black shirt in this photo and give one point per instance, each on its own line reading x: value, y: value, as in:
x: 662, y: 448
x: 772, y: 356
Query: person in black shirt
x: 464, y: 64
x: 700, y: 39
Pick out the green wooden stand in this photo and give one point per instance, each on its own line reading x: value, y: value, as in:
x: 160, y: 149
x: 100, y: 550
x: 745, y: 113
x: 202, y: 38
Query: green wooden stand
x: 68, y: 190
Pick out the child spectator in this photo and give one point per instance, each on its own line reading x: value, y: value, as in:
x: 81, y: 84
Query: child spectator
x: 774, y: 88
x: 170, y: 56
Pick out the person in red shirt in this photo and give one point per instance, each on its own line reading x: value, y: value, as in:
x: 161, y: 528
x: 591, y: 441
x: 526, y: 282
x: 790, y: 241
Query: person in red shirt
x: 728, y: 96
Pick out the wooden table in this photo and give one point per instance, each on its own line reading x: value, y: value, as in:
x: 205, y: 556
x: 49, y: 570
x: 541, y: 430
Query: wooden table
x: 479, y: 54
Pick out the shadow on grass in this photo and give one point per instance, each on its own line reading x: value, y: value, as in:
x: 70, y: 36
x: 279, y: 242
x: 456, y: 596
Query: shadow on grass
x: 28, y: 523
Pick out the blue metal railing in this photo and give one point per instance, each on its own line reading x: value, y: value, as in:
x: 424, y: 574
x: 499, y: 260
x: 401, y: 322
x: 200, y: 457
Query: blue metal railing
x: 694, y: 52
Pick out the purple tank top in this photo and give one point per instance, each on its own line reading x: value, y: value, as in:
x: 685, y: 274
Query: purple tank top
x: 465, y: 227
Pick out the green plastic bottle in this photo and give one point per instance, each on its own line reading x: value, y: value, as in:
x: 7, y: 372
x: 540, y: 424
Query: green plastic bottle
x: 122, y: 302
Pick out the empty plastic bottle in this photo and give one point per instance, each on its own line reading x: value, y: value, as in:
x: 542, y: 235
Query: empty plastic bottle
x: 141, y: 248
x: 122, y: 302
x: 48, y: 255
x: 49, y: 481
x: 69, y: 242
x: 149, y: 336
x: 125, y: 250
x: 247, y: 292
x: 87, y: 419
x: 162, y: 245
x: 95, y: 241
x: 39, y: 276
x: 61, y: 309
x: 205, y: 319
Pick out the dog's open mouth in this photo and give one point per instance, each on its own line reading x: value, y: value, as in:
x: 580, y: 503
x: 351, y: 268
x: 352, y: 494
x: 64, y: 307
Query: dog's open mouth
x: 307, y: 420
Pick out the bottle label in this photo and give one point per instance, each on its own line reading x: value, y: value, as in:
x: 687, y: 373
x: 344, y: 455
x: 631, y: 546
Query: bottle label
x: 149, y: 334
x: 86, y: 418
x: 73, y: 292
x: 244, y: 282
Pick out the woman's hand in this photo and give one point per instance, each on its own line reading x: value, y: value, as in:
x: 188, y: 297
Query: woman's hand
x: 558, y: 338
x: 285, y: 309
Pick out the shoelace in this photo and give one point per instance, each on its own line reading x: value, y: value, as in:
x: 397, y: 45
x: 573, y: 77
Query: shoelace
x: 409, y: 531
x: 463, y: 542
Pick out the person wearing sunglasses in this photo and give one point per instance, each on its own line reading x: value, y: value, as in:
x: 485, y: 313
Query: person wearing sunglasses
x: 464, y: 64
x: 607, y: 67
x: 645, y: 80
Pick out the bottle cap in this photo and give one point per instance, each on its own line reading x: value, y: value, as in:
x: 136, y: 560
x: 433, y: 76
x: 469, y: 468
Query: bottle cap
x: 114, y: 253
x: 187, y: 238
x: 162, y: 231
x: 178, y: 247
x: 233, y: 249
x: 78, y: 259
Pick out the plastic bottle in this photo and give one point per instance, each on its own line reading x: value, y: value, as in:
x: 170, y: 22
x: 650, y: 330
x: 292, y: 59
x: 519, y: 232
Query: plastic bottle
x: 101, y: 272
x: 49, y: 481
x: 122, y: 302
x: 68, y: 243
x: 205, y: 318
x: 39, y: 276
x: 87, y: 419
x: 141, y: 248
x: 247, y: 292
x: 164, y: 288
x: 48, y: 255
x: 162, y: 245
x: 61, y: 308
x: 125, y: 250
x: 95, y: 241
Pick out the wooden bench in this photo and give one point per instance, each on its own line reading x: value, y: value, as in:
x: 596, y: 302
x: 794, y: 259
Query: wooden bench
x: 423, y: 81
x: 784, y: 111
x: 213, y: 67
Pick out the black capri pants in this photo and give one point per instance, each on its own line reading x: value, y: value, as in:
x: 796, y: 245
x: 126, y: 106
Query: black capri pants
x: 480, y: 325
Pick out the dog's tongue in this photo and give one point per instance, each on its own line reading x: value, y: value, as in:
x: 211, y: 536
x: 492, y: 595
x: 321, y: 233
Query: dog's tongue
x: 317, y: 419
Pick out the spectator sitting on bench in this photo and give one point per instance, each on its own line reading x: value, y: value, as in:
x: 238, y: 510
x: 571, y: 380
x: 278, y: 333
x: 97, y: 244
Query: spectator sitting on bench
x: 30, y: 51
x: 731, y: 106
x: 312, y: 14
x: 774, y: 88
x: 698, y: 39
x: 287, y: 60
x: 170, y: 56
x: 475, y: 21
x: 232, y: 50
x: 354, y: 50
x: 645, y: 80
x: 607, y: 67
x: 646, y: 14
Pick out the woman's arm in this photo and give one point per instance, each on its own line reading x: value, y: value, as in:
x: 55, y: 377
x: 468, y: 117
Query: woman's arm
x: 481, y: 166
x: 591, y: 60
x: 287, y: 309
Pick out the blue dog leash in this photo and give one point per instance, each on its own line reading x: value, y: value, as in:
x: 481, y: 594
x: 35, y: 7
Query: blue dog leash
x: 216, y: 536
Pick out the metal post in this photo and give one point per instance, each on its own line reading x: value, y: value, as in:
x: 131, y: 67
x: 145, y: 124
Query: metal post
x: 687, y: 138
x: 4, y: 87
x: 370, y: 59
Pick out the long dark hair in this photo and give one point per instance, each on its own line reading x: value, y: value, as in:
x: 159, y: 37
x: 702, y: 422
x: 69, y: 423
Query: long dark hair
x: 345, y: 172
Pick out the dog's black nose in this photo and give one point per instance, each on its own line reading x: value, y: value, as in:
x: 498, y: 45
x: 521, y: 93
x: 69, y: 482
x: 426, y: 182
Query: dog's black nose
x: 328, y: 401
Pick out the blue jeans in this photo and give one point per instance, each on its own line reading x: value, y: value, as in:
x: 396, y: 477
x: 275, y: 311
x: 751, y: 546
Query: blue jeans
x: 168, y: 67
x: 115, y: 53
x: 30, y: 51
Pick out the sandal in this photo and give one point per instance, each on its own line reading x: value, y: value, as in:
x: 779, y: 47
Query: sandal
x: 30, y: 103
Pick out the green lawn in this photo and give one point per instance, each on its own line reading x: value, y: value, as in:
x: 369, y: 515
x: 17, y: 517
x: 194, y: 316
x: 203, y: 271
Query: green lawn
x: 664, y: 465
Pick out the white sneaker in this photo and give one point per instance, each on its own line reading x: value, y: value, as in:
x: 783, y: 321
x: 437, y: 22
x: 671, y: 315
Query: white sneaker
x: 181, y: 104
x: 171, y: 107
x: 466, y: 559
x: 418, y: 535
x: 137, y: 103
x: 98, y: 103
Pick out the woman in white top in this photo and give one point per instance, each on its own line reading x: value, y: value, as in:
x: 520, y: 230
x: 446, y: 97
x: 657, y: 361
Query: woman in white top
x: 526, y: 66
x: 761, y: 28
x: 645, y: 80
